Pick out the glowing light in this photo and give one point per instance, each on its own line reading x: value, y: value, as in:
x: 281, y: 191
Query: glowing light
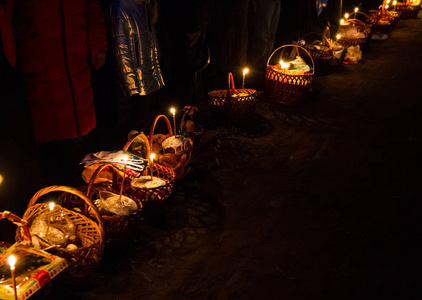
x: 51, y: 205
x: 356, y: 9
x: 386, y: 6
x: 342, y: 22
x: 284, y: 65
x: 1, y: 179
x: 245, y: 71
x: 12, y: 261
x: 346, y: 15
x: 338, y: 36
x: 151, y: 157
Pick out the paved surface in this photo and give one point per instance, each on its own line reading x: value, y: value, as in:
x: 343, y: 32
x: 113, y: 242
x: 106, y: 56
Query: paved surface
x: 319, y: 201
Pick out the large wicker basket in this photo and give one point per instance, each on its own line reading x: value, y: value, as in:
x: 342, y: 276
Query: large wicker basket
x: 117, y: 227
x: 323, y: 57
x: 286, y: 88
x: 83, y: 260
x: 233, y: 104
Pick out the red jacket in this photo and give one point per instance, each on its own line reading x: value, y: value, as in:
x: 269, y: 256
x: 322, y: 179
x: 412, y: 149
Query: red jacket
x: 53, y: 39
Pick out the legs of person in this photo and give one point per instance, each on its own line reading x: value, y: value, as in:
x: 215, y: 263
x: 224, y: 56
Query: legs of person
x: 267, y: 14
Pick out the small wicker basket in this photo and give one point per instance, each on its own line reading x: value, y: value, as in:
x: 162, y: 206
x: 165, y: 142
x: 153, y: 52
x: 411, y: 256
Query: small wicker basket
x: 322, y: 57
x: 284, y: 87
x: 180, y: 161
x: 83, y: 260
x: 383, y: 20
x: 360, y: 27
x: 407, y: 10
x: 233, y: 104
x: 166, y: 173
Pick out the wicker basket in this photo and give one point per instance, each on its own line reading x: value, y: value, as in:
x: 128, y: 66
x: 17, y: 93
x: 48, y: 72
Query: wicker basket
x: 180, y: 161
x: 286, y: 88
x: 322, y: 57
x: 233, y: 104
x: 361, y: 27
x: 407, y: 11
x: 383, y: 21
x: 157, y: 194
x: 82, y: 261
x: 117, y: 227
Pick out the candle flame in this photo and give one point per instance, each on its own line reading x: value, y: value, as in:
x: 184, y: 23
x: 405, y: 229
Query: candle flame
x: 51, y: 205
x: 388, y: 1
x: 341, y: 21
x: 151, y: 157
x: 173, y: 110
x: 394, y: 2
x: 338, y: 36
x: 386, y: 6
x: 346, y: 15
x: 12, y: 261
x: 245, y: 71
x: 356, y: 9
x: 284, y: 65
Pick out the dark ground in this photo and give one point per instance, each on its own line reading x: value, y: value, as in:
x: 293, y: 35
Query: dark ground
x: 319, y: 201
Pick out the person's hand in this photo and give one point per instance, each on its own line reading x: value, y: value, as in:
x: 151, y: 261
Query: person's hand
x: 97, y: 59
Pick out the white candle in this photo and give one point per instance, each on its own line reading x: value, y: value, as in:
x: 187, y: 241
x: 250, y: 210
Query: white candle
x: 245, y: 71
x: 50, y: 207
x: 173, y: 111
x: 125, y: 158
x: 12, y: 262
x: 151, y: 158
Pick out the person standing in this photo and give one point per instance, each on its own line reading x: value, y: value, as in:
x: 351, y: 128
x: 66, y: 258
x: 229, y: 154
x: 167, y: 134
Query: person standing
x: 58, y: 42
x: 133, y: 53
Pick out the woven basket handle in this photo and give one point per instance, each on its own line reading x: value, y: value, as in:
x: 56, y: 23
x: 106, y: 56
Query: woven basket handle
x: 55, y: 188
x: 143, y: 136
x: 326, y: 34
x: 151, y: 133
x: 297, y: 46
x: 19, y: 222
x: 357, y: 22
x: 98, y: 171
x: 230, y: 87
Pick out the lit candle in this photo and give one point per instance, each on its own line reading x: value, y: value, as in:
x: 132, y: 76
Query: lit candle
x: 346, y: 16
x: 356, y: 10
x: 394, y: 3
x: 284, y: 65
x: 245, y: 71
x: 173, y: 111
x: 151, y: 158
x: 125, y: 158
x: 338, y: 36
x: 12, y: 262
x: 50, y: 207
x: 386, y: 6
x: 342, y: 22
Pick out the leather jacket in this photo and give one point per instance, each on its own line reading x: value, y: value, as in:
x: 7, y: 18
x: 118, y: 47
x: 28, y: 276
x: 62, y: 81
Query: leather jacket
x: 133, y: 46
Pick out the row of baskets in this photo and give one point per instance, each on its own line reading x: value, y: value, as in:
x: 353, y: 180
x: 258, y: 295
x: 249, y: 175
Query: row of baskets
x: 291, y: 88
x: 77, y: 227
